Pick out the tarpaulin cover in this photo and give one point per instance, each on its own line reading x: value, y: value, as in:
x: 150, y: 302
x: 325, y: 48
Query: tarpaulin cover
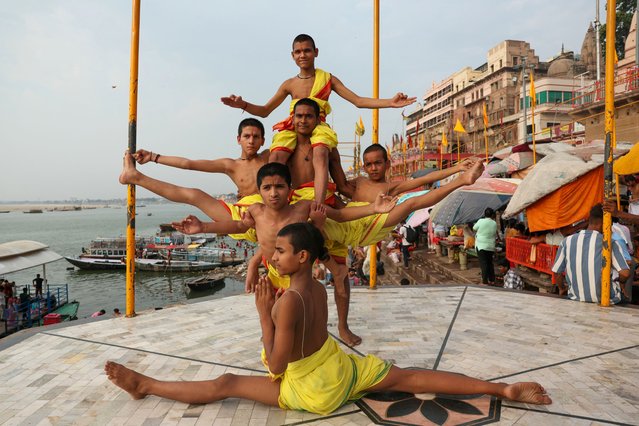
x: 464, y: 206
x: 568, y: 204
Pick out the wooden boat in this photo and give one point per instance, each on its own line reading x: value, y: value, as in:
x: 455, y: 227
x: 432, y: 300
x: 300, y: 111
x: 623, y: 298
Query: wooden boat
x: 207, y: 282
x: 96, y: 264
x: 66, y: 312
x: 33, y: 211
x: 160, y: 265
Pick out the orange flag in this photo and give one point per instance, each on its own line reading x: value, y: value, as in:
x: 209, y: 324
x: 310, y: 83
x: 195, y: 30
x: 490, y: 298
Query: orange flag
x: 533, y: 101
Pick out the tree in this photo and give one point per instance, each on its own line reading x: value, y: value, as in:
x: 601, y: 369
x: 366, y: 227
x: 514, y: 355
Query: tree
x: 625, y: 10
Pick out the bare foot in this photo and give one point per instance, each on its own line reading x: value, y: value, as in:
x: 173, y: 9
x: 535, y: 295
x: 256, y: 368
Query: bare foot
x: 126, y: 379
x: 528, y: 392
x: 129, y: 171
x: 471, y: 175
x: 351, y: 339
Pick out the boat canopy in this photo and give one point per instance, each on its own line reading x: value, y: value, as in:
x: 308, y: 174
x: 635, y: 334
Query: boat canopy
x: 19, y: 255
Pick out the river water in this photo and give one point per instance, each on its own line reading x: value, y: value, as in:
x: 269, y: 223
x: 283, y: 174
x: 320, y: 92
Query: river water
x: 67, y: 232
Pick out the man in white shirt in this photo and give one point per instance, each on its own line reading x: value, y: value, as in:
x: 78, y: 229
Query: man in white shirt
x: 403, y: 232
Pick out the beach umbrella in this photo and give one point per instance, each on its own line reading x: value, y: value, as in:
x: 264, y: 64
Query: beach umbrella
x: 417, y: 217
x: 464, y: 206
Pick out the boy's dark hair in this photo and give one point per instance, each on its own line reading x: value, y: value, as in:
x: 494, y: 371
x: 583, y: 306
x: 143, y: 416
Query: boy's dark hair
x: 376, y: 147
x: 302, y: 38
x: 504, y: 262
x: 596, y: 213
x: 252, y: 122
x: 304, y: 236
x: 273, y: 169
x: 489, y: 213
x: 310, y: 102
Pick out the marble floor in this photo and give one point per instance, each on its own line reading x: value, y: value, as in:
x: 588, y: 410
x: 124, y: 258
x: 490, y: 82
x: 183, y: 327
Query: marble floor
x: 587, y: 357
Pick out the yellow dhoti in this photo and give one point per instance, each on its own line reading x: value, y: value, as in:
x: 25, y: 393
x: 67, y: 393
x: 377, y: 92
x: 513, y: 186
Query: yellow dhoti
x: 286, y: 138
x: 328, y: 379
x: 306, y: 191
x: 361, y: 232
x: 236, y: 210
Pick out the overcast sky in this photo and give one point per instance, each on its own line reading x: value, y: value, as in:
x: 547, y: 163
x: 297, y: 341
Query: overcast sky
x: 63, y: 128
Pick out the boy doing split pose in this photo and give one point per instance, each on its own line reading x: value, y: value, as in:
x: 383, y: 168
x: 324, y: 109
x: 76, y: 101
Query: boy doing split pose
x: 307, y: 370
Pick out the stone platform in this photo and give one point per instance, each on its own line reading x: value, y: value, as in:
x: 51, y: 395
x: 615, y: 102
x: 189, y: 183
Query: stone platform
x: 587, y: 357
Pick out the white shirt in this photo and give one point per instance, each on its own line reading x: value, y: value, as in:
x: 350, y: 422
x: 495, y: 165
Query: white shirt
x: 403, y: 233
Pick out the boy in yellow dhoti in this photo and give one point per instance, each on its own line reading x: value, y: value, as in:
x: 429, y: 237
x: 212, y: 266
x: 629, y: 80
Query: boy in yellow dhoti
x: 315, y: 84
x: 274, y: 182
x: 242, y: 171
x: 307, y: 370
x: 372, y: 229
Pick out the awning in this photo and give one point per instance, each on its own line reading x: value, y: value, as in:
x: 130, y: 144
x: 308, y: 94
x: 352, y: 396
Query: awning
x: 629, y: 163
x: 19, y: 255
x: 568, y: 204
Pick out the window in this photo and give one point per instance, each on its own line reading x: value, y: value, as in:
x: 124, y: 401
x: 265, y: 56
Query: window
x: 514, y: 60
x: 501, y: 63
x: 481, y: 93
x: 542, y: 97
x: 554, y: 96
x: 492, y: 68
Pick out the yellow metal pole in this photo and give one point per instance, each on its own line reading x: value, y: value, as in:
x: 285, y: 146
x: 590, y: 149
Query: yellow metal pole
x: 130, y: 199
x: 458, y: 155
x: 609, y: 140
x: 373, y: 248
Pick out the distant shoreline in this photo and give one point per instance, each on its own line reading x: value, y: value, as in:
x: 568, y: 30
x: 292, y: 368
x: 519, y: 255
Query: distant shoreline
x: 48, y: 207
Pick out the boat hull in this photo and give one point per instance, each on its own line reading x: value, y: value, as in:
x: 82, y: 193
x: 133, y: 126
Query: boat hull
x: 155, y: 265
x: 93, y: 264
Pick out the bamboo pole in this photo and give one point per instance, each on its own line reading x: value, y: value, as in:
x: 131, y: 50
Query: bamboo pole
x: 609, y: 138
x: 130, y: 199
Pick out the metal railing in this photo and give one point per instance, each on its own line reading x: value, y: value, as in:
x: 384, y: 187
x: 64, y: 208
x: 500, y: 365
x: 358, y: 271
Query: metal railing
x: 18, y: 316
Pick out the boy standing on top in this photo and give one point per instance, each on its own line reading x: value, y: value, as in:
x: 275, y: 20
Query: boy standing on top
x: 314, y: 83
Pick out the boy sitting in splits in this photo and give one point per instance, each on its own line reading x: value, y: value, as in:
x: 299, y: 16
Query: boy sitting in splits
x: 307, y: 370
x: 314, y: 83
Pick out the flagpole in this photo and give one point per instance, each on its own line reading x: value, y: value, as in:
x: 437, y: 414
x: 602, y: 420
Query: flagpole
x: 486, y: 143
x: 533, y: 101
x: 458, y: 152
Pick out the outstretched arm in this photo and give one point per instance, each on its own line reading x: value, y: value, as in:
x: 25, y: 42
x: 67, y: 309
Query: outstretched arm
x: 408, y: 185
x: 193, y: 225
x: 222, y: 165
x: 260, y: 110
x: 398, y: 101
x: 382, y: 204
